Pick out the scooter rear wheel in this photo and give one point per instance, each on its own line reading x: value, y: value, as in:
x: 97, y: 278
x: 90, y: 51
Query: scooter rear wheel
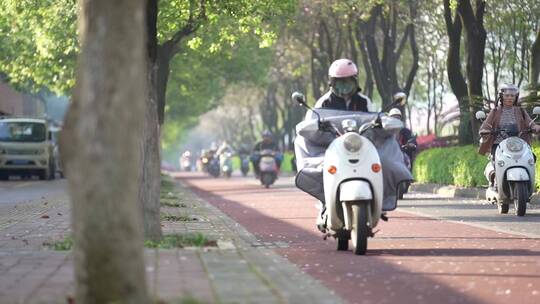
x: 360, y: 229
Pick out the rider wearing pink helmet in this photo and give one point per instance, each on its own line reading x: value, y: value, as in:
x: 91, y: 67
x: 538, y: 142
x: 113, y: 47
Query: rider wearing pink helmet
x: 344, y: 93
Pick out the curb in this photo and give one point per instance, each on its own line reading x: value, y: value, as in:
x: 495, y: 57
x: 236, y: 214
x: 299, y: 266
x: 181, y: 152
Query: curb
x: 454, y: 191
x: 449, y: 190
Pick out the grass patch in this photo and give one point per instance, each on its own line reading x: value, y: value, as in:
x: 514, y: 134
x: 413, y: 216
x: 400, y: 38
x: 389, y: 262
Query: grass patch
x: 166, y: 182
x: 181, y: 241
x: 62, y: 245
x: 184, y: 300
x: 168, y: 203
x: 169, y: 195
x: 178, y: 217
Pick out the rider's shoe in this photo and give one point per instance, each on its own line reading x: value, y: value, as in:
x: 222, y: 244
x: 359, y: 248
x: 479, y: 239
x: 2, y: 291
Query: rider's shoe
x: 321, y: 217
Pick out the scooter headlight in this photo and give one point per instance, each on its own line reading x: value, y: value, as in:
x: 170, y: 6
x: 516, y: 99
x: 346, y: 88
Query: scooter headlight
x: 352, y: 142
x: 514, y: 145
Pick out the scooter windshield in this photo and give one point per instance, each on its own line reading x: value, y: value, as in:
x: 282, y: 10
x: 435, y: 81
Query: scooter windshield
x: 509, y: 130
x: 310, y: 147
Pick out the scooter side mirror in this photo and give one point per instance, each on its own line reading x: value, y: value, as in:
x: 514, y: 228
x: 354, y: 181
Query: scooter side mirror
x: 480, y: 115
x: 400, y: 99
x: 536, y: 111
x: 300, y: 99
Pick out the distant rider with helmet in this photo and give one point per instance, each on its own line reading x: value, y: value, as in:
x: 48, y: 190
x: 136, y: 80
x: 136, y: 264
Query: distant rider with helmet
x: 267, y: 143
x: 405, y: 138
x: 506, y: 113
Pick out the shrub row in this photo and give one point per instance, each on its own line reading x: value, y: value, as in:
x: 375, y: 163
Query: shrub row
x: 460, y: 166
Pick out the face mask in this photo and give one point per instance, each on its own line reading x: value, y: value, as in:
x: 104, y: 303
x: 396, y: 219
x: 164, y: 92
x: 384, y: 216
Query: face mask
x: 344, y: 86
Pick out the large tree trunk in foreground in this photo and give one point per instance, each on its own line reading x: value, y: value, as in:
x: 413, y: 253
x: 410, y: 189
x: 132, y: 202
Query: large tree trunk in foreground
x: 101, y: 149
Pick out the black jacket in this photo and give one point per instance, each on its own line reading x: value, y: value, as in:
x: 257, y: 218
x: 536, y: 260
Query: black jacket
x: 358, y: 102
x: 265, y: 146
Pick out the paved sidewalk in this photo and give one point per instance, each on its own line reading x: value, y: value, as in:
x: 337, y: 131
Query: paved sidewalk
x: 240, y: 269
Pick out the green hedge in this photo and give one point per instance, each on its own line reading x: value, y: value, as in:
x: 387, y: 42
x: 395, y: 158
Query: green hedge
x: 461, y: 166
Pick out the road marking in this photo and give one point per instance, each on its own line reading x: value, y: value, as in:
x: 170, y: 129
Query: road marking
x: 516, y: 233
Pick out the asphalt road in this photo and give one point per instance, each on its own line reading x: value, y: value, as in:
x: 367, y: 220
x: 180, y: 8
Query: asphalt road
x: 433, y: 249
x: 16, y: 191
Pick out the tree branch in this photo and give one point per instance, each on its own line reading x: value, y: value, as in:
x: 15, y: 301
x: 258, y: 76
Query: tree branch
x: 414, y: 50
x: 403, y: 41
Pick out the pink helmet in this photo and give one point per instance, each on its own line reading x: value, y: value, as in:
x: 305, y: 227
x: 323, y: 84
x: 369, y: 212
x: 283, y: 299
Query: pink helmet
x: 342, y: 68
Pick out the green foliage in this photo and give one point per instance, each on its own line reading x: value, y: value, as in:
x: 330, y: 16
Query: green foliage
x: 460, y: 166
x: 536, y: 151
x: 39, y: 43
x: 181, y: 241
x: 194, y: 91
x: 39, y: 37
x: 286, y: 164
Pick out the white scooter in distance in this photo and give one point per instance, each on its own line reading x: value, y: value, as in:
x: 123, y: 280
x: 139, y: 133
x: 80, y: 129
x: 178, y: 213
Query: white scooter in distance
x: 352, y: 174
x: 514, y: 169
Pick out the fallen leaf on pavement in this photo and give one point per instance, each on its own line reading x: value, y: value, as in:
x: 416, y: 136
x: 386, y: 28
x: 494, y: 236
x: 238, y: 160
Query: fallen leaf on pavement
x: 45, y: 216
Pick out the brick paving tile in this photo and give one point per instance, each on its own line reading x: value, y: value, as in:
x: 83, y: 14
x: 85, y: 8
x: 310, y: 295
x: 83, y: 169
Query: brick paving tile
x: 239, y: 270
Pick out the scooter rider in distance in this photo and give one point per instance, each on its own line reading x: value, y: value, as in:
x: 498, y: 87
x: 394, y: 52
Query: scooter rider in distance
x: 405, y: 139
x: 267, y: 143
x: 344, y: 94
x: 506, y: 113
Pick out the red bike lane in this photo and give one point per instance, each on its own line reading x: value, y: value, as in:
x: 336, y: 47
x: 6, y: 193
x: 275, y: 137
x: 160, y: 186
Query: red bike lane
x: 412, y: 259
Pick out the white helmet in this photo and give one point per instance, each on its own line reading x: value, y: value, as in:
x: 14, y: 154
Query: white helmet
x: 394, y: 111
x: 509, y: 89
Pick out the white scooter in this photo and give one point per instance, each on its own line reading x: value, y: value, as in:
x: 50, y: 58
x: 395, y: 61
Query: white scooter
x: 352, y: 176
x: 268, y: 168
x: 226, y: 164
x: 513, y: 167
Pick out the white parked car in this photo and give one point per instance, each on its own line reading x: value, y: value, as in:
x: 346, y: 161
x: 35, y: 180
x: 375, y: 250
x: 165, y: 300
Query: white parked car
x: 26, y: 148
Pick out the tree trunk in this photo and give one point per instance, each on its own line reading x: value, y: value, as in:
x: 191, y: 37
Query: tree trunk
x: 150, y: 179
x: 455, y: 76
x: 473, y: 20
x: 100, y: 149
x: 534, y: 69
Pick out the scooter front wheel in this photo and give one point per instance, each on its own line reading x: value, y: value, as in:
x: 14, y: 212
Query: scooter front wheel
x: 503, y: 208
x: 360, y: 229
x: 521, y: 196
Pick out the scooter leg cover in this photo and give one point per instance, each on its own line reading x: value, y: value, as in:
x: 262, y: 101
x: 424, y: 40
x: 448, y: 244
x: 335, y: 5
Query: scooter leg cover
x: 309, y: 180
x: 394, y: 172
